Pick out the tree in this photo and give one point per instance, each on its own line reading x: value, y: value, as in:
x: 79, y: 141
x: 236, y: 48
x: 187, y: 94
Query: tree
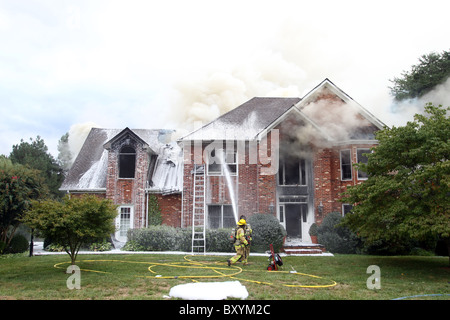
x: 406, y: 194
x: 433, y: 69
x: 18, y: 186
x: 35, y: 155
x: 73, y: 221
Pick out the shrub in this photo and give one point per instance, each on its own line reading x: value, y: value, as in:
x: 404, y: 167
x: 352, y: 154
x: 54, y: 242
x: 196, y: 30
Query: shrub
x: 101, y: 246
x: 154, y: 238
x: 166, y: 238
x: 217, y: 240
x: 313, y: 229
x: 337, y: 239
x: 266, y: 230
x: 18, y: 244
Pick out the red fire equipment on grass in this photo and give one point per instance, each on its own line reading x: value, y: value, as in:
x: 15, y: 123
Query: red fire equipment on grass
x: 274, y: 260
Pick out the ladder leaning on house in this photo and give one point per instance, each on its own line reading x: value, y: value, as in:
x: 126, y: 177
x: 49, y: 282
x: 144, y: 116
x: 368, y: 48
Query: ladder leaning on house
x: 199, y: 208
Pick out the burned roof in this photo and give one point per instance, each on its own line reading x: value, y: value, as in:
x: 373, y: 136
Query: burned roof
x: 334, y: 115
x: 88, y: 172
x: 246, y: 121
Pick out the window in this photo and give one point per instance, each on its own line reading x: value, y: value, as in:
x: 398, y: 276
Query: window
x: 346, y: 208
x: 220, y: 216
x: 127, y: 162
x: 292, y: 173
x: 346, y: 165
x: 125, y: 221
x: 217, y: 161
x: 362, y: 159
x: 282, y: 213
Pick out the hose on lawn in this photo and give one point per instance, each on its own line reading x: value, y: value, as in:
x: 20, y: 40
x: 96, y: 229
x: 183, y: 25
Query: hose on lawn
x: 219, y: 270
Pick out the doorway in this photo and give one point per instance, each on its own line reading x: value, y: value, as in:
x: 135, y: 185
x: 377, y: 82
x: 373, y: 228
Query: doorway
x: 124, y: 221
x: 295, y: 215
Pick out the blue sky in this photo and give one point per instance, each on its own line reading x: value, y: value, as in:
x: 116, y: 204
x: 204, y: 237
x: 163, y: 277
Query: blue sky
x: 142, y: 64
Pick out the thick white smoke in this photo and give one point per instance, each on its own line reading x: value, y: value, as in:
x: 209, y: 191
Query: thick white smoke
x: 406, y: 109
x: 267, y: 74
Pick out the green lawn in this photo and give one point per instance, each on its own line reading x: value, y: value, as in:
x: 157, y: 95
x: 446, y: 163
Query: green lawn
x: 128, y: 277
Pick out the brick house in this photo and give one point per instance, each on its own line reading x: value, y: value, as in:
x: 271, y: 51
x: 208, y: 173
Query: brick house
x: 290, y: 157
x: 128, y: 166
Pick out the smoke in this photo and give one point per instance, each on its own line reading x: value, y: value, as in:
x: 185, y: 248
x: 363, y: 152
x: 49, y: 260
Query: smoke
x: 266, y: 74
x: 77, y: 135
x: 406, y: 109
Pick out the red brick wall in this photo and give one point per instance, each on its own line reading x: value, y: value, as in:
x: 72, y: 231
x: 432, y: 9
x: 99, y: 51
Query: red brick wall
x: 129, y: 191
x: 170, y: 206
x: 328, y: 185
x: 255, y: 191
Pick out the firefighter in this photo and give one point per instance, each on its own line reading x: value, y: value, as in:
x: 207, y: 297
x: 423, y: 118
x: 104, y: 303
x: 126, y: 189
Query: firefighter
x: 239, y: 244
x: 248, y: 236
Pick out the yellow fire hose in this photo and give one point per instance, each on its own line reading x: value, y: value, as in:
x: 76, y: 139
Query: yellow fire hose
x: 215, y: 267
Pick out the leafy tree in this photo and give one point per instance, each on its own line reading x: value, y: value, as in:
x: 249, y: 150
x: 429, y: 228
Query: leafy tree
x: 406, y: 194
x: 18, y: 186
x: 433, y: 69
x: 73, y: 221
x: 35, y: 155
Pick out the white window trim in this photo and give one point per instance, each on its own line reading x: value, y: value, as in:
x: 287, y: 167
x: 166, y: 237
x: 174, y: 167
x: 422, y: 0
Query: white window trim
x: 118, y: 218
x: 351, y: 165
x: 221, y: 173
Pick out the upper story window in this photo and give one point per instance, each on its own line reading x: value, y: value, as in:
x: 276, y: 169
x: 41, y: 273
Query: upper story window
x: 220, y: 160
x: 346, y: 165
x: 292, y: 172
x: 127, y: 162
x: 362, y: 158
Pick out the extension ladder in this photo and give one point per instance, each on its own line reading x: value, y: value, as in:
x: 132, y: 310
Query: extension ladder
x: 199, y: 208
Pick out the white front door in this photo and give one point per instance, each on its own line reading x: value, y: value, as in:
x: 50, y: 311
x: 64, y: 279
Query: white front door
x: 124, y: 221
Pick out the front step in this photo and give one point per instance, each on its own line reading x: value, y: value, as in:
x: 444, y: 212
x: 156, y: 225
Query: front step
x: 299, y: 251
x: 303, y: 248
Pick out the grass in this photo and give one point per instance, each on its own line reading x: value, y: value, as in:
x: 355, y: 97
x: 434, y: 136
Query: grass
x: 128, y: 277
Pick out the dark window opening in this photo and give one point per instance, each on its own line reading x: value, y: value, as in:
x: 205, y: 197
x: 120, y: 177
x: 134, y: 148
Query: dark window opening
x: 127, y: 162
x: 346, y: 208
x: 292, y: 173
x: 346, y: 165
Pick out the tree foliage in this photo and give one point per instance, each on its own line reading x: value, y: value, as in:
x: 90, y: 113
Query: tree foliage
x: 406, y: 194
x: 433, y: 69
x: 35, y: 155
x: 19, y: 185
x: 73, y: 221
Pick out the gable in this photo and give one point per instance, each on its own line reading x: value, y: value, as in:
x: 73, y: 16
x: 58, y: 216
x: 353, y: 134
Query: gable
x: 124, y: 138
x: 327, y: 104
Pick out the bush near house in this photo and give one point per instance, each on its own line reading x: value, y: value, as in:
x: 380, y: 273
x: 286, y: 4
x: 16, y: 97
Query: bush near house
x: 266, y: 230
x: 166, y: 238
x: 337, y: 239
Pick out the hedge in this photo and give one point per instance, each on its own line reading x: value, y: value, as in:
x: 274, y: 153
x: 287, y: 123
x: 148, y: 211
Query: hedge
x: 266, y: 230
x: 166, y: 238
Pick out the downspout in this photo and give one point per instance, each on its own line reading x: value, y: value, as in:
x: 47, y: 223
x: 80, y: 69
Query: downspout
x: 146, y: 210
